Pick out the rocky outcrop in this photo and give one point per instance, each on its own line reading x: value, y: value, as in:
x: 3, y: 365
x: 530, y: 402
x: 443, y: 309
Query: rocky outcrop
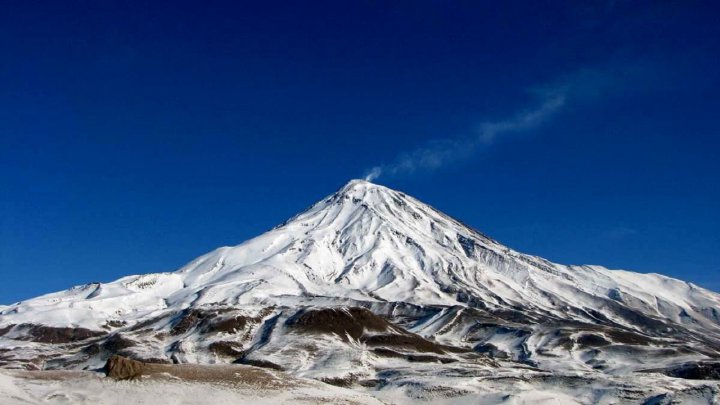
x: 122, y: 368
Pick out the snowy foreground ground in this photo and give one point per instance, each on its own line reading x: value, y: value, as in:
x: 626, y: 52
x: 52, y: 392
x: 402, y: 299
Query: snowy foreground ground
x: 230, y: 385
x: 236, y: 384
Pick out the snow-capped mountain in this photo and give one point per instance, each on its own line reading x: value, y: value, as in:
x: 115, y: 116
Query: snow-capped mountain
x: 366, y: 280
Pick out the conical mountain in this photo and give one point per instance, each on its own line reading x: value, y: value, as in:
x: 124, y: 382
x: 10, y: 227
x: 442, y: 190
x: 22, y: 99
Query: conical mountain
x: 408, y: 270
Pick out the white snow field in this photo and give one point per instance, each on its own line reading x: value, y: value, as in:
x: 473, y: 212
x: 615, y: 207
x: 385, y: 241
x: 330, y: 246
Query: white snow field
x: 372, y: 290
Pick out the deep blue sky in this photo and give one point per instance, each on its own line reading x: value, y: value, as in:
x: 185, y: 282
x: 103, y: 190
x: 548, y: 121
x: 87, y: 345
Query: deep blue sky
x: 135, y: 136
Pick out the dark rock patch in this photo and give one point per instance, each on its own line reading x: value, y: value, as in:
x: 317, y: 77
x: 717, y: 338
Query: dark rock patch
x: 408, y: 341
x: 492, y: 351
x: 154, y: 360
x: 345, y: 382
x: 188, y: 320
x: 343, y: 322
x: 695, y: 371
x: 354, y: 322
x: 598, y: 316
x: 140, y: 326
x: 92, y: 349
x: 388, y: 353
x: 259, y: 363
x: 112, y: 323
x: 468, y: 245
x: 628, y: 338
x: 514, y: 316
x: 210, y: 321
x: 369, y: 383
x: 227, y: 325
x: 227, y: 349
x: 49, y: 334
x: 592, y: 340
x: 417, y: 358
x: 117, y: 342
x: 562, y: 380
x: 6, y: 329
x: 565, y: 342
x: 636, y: 317
x: 466, y: 298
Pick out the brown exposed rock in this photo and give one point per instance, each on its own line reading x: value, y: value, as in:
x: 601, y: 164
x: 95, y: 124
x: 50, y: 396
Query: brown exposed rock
x: 228, y: 325
x: 344, y: 322
x: 122, y: 368
x: 206, y: 321
x: 354, y: 322
x: 188, y: 320
x: 228, y: 349
x: 408, y: 341
x: 49, y: 334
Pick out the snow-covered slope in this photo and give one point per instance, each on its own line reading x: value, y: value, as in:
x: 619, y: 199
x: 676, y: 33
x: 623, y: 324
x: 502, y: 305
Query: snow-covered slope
x: 366, y: 246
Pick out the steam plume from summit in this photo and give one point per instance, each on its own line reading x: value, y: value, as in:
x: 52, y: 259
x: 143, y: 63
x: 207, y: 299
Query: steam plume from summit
x: 437, y: 153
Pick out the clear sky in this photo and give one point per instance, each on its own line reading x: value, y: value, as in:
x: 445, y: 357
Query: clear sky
x: 135, y: 136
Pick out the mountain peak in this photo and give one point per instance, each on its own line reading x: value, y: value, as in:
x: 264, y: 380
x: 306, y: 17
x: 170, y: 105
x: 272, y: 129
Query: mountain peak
x: 354, y: 182
x: 358, y: 189
x: 357, y: 184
